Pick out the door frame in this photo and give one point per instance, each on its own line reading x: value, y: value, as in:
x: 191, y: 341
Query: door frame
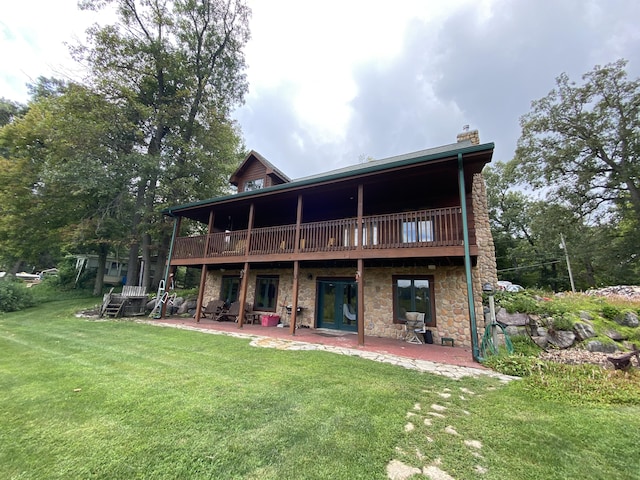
x: 337, y: 311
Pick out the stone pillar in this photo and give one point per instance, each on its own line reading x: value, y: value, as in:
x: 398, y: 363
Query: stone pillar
x: 485, y: 269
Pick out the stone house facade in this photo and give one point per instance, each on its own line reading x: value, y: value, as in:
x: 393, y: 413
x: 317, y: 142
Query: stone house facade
x: 353, y: 249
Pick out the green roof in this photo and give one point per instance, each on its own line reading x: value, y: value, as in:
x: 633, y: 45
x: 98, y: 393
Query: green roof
x: 428, y: 155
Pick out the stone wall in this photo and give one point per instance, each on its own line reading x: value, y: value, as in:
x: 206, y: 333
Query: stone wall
x: 485, y: 270
x: 450, y: 296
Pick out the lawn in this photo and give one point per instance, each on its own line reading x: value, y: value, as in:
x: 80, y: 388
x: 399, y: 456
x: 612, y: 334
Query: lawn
x: 82, y: 398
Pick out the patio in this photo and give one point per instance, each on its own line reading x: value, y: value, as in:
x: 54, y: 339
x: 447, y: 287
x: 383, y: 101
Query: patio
x: 447, y: 355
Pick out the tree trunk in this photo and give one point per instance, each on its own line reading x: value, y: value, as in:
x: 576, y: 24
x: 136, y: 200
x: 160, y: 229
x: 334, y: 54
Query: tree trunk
x: 161, y: 263
x: 102, y: 260
x: 146, y: 261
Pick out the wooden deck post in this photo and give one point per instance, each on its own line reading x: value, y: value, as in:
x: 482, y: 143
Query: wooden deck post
x: 203, y: 281
x: 243, y: 293
x: 296, y: 270
x: 294, y: 300
x: 245, y: 271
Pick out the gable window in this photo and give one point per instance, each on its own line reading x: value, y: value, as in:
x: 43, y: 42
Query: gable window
x: 413, y: 293
x: 417, y: 231
x: 255, y: 184
x: 229, y: 289
x: 266, y: 293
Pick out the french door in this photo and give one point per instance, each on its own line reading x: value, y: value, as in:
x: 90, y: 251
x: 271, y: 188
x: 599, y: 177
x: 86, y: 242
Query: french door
x: 337, y: 304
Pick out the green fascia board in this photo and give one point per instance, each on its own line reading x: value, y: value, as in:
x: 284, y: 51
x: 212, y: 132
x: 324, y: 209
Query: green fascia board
x: 340, y: 174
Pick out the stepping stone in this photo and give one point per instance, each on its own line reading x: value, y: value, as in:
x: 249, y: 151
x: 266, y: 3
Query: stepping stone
x: 450, y: 430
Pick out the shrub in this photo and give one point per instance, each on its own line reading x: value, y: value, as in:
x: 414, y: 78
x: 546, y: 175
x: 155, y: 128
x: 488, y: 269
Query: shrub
x: 520, y: 302
x: 516, y: 365
x: 610, y: 311
x: 14, y: 295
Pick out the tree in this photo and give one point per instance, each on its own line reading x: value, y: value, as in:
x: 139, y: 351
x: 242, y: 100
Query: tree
x: 65, y: 185
x: 179, y: 66
x: 581, y: 142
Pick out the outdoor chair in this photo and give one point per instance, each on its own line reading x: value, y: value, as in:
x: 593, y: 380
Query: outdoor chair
x: 414, y: 325
x: 346, y: 310
x: 213, y: 308
x: 227, y: 313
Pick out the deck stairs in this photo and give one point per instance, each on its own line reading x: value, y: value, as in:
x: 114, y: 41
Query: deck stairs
x: 113, y: 305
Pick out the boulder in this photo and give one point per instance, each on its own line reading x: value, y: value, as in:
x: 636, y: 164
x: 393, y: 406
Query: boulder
x: 583, y: 331
x: 541, y: 341
x: 540, y: 332
x: 629, y: 319
x: 598, y: 346
x: 187, y: 306
x: 561, y: 338
x: 614, y: 335
x: 514, y: 319
x: 585, y: 316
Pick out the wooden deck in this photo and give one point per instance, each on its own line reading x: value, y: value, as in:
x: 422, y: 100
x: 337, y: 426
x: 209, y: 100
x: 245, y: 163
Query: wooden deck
x: 435, y: 232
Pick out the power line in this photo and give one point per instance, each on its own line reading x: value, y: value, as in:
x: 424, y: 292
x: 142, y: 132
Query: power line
x: 528, y: 266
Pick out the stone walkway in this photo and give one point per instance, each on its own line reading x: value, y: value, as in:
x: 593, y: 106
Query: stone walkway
x: 451, y: 371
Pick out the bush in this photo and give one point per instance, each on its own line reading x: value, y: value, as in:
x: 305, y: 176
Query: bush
x: 610, y: 311
x: 14, y: 295
x: 520, y: 302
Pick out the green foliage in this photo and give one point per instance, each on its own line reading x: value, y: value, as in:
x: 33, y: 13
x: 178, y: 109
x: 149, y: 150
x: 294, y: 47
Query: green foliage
x: 609, y: 311
x: 14, y: 295
x: 521, y: 302
x: 580, y: 384
x: 517, y: 365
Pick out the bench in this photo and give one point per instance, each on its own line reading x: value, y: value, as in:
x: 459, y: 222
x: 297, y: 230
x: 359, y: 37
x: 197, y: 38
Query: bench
x: 444, y: 340
x: 623, y: 362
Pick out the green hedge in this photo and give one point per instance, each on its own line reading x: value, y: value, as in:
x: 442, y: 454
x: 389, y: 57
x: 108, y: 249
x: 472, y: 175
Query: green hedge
x: 14, y: 295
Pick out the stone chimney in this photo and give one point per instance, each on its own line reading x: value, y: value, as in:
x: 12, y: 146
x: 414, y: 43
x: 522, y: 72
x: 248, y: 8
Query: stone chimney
x: 467, y: 134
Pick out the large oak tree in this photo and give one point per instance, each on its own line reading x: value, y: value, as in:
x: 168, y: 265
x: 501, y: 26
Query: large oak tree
x: 180, y: 66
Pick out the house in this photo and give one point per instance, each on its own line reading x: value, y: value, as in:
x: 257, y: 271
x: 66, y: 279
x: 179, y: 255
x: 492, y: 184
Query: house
x: 352, y: 249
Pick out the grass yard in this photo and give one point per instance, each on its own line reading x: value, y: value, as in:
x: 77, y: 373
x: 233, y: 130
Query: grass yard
x: 117, y: 399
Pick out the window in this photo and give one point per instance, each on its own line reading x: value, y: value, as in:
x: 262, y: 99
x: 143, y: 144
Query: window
x: 255, y: 184
x: 370, y: 235
x: 417, y: 231
x: 229, y: 289
x: 266, y: 293
x: 413, y: 294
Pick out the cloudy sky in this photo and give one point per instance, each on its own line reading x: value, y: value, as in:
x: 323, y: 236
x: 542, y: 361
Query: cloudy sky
x: 334, y: 81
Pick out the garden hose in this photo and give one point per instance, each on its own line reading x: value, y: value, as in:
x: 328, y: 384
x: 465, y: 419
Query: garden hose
x: 488, y: 345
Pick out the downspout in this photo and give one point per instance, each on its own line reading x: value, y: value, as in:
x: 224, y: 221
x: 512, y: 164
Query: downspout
x: 467, y: 262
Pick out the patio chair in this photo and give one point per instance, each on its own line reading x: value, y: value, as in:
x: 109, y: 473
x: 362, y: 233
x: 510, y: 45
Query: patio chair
x: 346, y: 311
x: 415, y: 325
x: 213, y: 308
x: 228, y: 312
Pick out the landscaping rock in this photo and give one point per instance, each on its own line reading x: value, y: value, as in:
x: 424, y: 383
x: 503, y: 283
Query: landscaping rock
x: 598, y: 346
x: 540, y: 331
x: 583, y: 331
x: 628, y: 319
x: 188, y: 306
x: 615, y: 335
x: 576, y: 356
x: 514, y: 319
x: 541, y: 341
x: 585, y: 316
x: 561, y: 338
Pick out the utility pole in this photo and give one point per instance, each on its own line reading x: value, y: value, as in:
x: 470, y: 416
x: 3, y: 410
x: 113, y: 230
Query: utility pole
x: 566, y: 256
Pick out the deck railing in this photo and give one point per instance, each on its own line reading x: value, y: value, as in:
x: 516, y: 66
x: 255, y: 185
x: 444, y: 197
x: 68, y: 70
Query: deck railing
x: 439, y: 227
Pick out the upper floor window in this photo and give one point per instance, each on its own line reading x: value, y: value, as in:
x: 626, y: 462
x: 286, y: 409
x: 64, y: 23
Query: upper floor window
x: 255, y: 184
x: 417, y: 231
